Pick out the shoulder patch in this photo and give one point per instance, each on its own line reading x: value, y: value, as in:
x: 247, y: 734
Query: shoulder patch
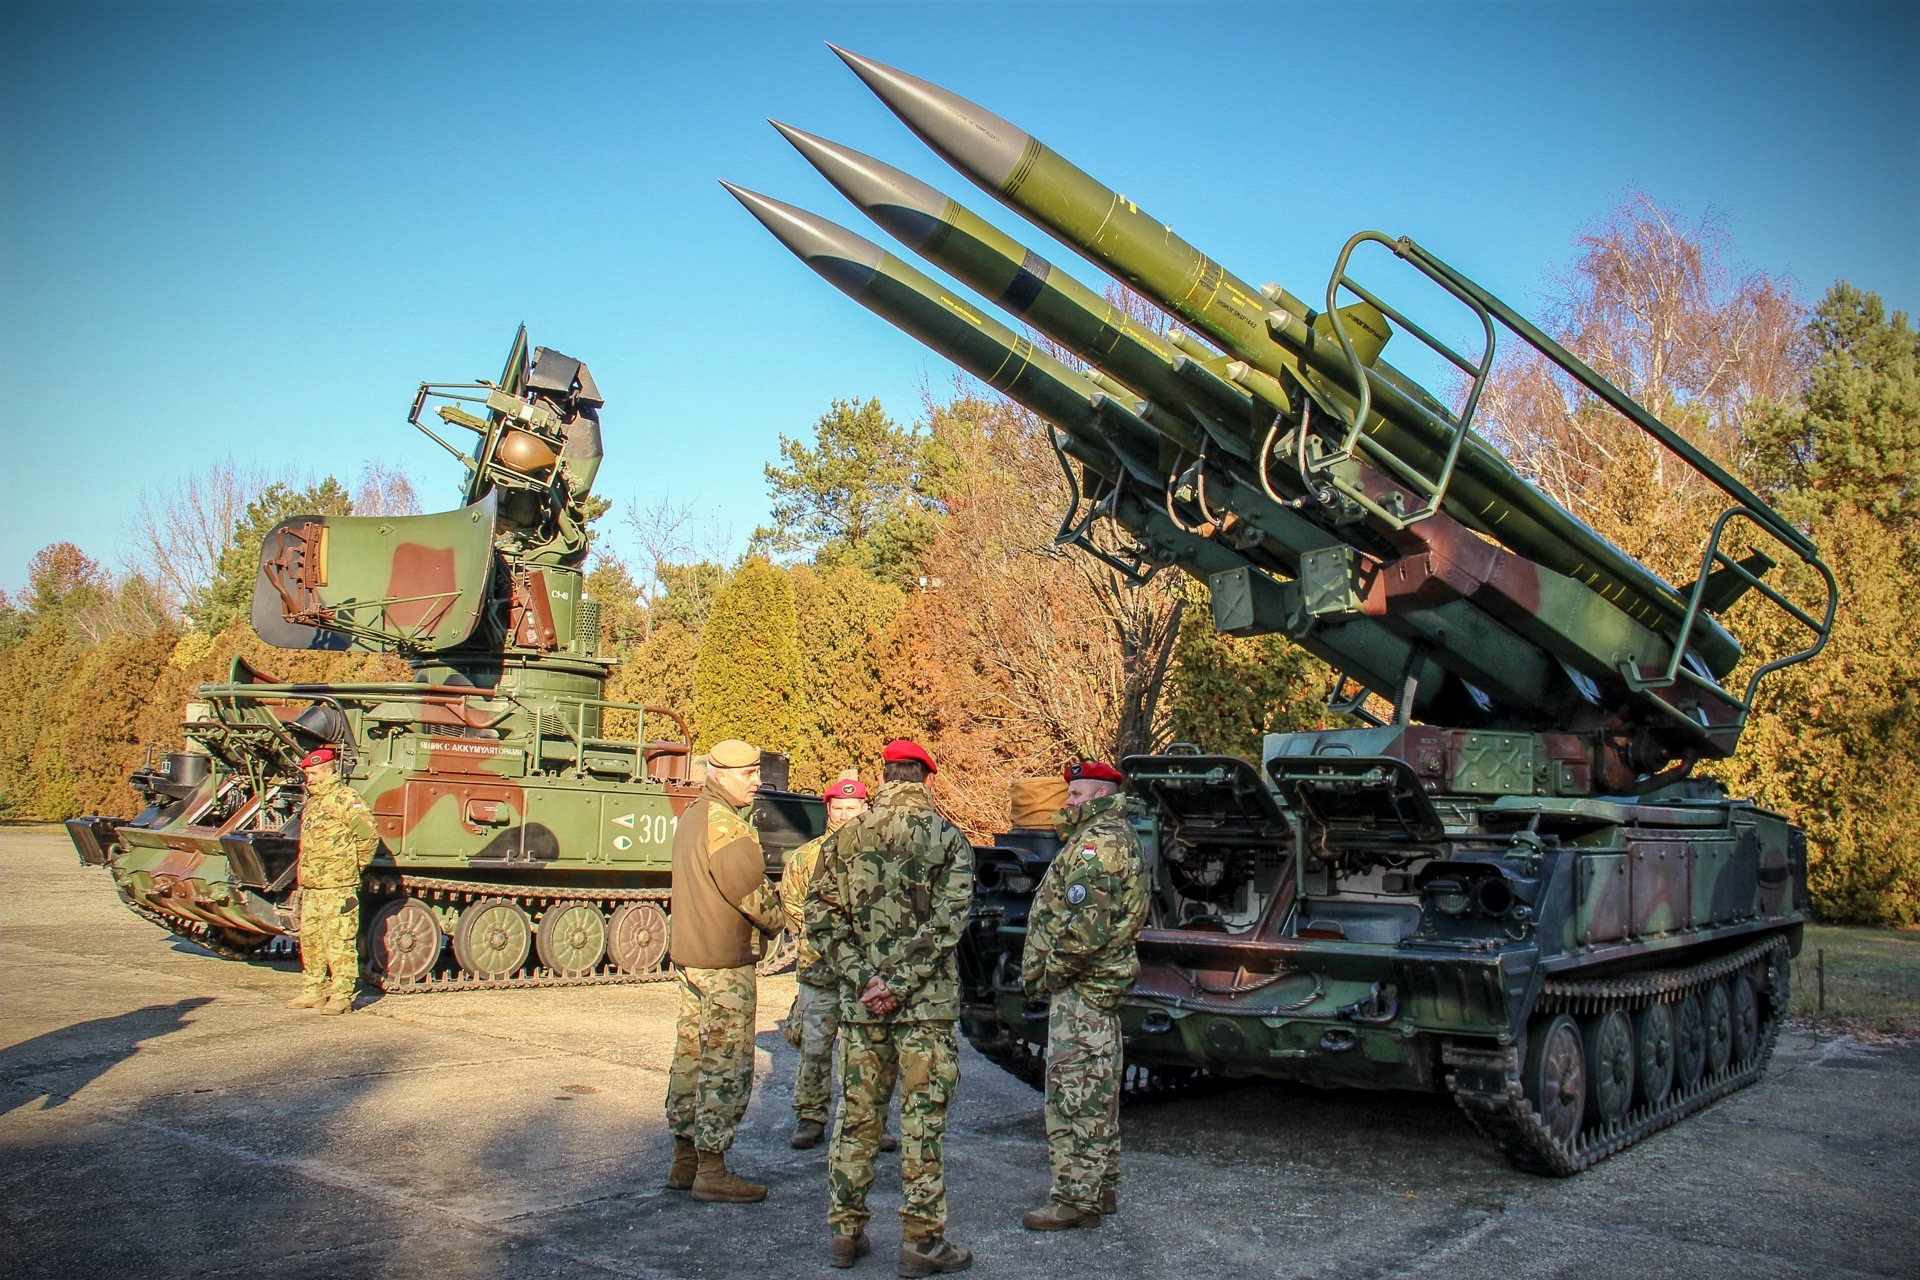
x: 1077, y: 894
x: 1090, y: 851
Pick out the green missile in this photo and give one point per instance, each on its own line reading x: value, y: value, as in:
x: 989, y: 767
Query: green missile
x: 1099, y: 428
x: 984, y: 258
x: 955, y: 328
x: 1112, y: 232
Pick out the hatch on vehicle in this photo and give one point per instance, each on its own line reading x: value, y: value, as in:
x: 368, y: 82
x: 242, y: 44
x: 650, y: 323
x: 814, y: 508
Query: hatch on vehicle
x: 1358, y: 797
x: 1208, y: 795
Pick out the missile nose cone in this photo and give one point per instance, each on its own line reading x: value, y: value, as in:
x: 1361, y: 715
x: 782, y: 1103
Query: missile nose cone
x: 971, y: 138
x: 905, y: 206
x: 845, y: 259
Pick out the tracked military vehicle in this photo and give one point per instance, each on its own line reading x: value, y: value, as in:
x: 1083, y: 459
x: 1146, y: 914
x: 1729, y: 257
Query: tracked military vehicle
x: 525, y: 821
x: 1509, y: 882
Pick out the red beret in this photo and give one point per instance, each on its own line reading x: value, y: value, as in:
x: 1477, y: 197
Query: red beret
x: 901, y: 749
x: 319, y: 755
x: 1092, y: 770
x: 847, y: 789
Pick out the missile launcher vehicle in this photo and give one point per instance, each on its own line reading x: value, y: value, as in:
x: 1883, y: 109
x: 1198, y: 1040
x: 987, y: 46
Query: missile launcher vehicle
x: 1509, y: 882
x: 525, y: 821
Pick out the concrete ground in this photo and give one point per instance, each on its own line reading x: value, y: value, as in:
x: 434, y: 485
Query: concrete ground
x: 162, y: 1114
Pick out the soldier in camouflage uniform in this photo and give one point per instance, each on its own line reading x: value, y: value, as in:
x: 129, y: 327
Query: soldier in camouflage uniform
x: 337, y: 841
x: 720, y: 896
x: 1080, y: 957
x: 886, y: 911
x: 813, y: 1023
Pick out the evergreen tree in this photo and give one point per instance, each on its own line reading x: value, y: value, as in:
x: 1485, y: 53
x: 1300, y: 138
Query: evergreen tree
x: 230, y: 594
x: 1835, y: 742
x: 749, y: 654
x: 855, y: 496
x: 840, y: 712
x: 1228, y: 692
x: 1856, y: 437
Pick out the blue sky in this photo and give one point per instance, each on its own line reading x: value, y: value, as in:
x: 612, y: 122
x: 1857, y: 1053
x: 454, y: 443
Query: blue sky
x: 251, y: 230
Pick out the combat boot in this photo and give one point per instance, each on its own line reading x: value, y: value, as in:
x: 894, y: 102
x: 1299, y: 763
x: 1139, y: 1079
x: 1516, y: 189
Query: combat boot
x: 1109, y: 1200
x: 926, y: 1257
x: 337, y: 1005
x: 844, y: 1251
x: 685, y: 1161
x: 1056, y: 1216
x: 714, y: 1183
x: 307, y: 1000
x: 807, y: 1134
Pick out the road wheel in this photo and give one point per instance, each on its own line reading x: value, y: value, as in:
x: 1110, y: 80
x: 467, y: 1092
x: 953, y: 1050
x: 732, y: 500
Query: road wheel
x: 637, y: 938
x: 1689, y: 1039
x: 571, y: 939
x: 404, y: 941
x: 492, y: 937
x: 1555, y: 1076
x: 1608, y: 1039
x: 1653, y: 1053
x: 1743, y: 1004
x: 1719, y: 1009
x: 778, y: 955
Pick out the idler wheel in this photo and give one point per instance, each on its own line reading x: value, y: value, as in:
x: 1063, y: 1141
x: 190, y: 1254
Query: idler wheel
x: 1719, y: 1007
x: 404, y: 941
x: 637, y: 938
x: 492, y: 937
x: 1608, y: 1039
x: 572, y: 938
x: 1653, y: 1053
x: 1744, y: 1015
x: 1689, y: 1039
x: 1555, y: 1076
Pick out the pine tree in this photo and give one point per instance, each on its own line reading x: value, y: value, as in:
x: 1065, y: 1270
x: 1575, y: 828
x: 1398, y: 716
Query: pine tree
x: 1228, y: 692
x: 1835, y: 741
x: 855, y: 496
x: 749, y: 655
x: 230, y: 594
x: 840, y: 712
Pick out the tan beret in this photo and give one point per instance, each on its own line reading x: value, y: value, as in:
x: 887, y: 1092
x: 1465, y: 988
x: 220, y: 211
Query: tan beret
x: 733, y: 754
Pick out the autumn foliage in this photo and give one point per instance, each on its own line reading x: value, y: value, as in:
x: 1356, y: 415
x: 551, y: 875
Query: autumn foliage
x: 911, y: 583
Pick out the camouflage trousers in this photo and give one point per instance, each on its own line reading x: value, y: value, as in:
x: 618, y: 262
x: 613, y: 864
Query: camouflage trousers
x: 712, y: 1075
x: 924, y: 1060
x: 1083, y: 1100
x: 330, y: 941
x: 812, y: 1026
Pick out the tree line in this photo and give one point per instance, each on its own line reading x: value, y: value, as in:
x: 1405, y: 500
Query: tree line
x: 908, y: 582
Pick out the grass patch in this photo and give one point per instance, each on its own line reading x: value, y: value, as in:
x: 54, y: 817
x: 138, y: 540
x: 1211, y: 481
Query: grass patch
x: 1873, y: 980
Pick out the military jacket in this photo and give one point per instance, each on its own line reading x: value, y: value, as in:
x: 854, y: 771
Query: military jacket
x: 890, y: 899
x: 720, y: 889
x: 1089, y: 908
x: 337, y: 836
x: 795, y: 879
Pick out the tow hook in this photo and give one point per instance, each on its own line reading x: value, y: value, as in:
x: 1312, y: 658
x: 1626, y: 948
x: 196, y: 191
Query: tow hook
x: 1380, y: 1004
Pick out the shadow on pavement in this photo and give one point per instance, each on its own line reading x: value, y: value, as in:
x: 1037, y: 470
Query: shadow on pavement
x: 84, y: 1051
